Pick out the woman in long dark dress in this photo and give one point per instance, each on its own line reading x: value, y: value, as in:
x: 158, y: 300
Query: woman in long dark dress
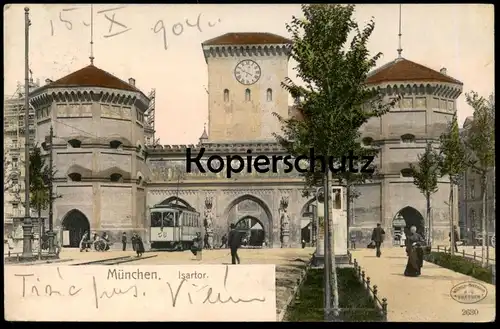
x: 139, y: 246
x: 414, y: 243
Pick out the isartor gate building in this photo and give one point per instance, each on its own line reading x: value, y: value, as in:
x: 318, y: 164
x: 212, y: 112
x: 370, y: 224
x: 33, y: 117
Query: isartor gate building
x: 109, y: 175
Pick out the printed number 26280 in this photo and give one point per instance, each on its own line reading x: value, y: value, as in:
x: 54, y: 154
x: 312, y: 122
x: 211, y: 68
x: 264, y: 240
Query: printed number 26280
x: 470, y: 311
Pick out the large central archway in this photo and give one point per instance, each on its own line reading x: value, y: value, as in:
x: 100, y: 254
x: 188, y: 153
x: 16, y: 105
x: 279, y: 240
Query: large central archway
x: 74, y: 225
x: 249, y: 206
x: 408, y: 217
x: 251, y: 231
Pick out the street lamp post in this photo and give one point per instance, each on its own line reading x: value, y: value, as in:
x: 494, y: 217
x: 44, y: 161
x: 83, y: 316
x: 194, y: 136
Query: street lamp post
x: 27, y: 225
x: 51, y: 233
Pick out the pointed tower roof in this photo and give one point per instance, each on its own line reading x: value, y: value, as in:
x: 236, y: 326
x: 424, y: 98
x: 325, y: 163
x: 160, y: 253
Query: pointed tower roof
x: 92, y: 76
x: 204, y: 135
x: 404, y: 70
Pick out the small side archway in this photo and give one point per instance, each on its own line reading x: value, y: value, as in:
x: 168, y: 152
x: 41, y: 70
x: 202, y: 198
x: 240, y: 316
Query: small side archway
x: 74, y: 225
x: 308, y: 232
x: 408, y: 217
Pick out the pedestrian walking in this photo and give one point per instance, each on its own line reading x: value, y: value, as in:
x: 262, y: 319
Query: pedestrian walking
x: 402, y: 239
x: 139, y: 246
x: 223, y: 241
x: 197, y: 246
x: 124, y: 241
x: 455, y: 237
x: 84, y: 242
x: 353, y: 240
x: 234, y: 243
x: 303, y: 243
x: 133, y: 241
x: 415, y: 253
x: 378, y: 236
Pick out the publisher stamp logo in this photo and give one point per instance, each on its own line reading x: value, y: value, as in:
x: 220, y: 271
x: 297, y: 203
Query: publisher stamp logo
x: 469, y: 292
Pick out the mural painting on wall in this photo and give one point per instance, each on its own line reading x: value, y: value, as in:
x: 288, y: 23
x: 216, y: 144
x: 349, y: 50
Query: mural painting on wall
x: 209, y: 223
x: 285, y: 222
x: 174, y: 170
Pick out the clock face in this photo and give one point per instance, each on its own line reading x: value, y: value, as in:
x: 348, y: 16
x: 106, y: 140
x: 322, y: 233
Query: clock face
x: 247, y: 72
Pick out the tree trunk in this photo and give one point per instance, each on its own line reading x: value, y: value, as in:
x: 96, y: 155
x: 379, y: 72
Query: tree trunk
x: 333, y: 273
x: 483, y: 219
x: 428, y: 215
x: 452, y: 231
x: 349, y: 212
x: 488, y: 222
x: 39, y: 233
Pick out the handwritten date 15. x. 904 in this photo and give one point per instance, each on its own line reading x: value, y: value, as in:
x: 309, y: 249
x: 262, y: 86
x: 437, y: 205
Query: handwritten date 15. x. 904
x: 180, y: 292
x: 178, y: 28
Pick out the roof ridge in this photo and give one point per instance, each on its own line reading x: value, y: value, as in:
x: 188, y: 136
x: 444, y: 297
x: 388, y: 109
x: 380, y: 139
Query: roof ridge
x: 407, y: 70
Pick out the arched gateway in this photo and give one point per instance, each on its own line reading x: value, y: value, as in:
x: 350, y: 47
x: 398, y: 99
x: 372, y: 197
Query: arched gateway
x: 74, y: 225
x: 253, y: 216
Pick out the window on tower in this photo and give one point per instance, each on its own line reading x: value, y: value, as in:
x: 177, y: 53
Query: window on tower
x: 75, y: 143
x: 269, y: 95
x: 115, y: 144
x: 248, y: 95
x: 226, y: 95
x: 117, y: 178
x: 75, y: 177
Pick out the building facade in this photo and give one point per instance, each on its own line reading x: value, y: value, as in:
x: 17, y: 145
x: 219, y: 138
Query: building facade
x: 108, y: 179
x: 14, y: 146
x: 470, y: 202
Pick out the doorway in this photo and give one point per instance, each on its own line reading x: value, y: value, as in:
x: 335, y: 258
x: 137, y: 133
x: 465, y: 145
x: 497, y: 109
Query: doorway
x: 75, y: 223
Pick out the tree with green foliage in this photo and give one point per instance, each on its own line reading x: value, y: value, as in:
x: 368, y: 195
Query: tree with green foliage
x: 39, y: 191
x: 425, y: 176
x: 453, y: 163
x: 334, y: 100
x: 480, y: 142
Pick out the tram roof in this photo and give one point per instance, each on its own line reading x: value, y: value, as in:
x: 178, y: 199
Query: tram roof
x: 174, y: 206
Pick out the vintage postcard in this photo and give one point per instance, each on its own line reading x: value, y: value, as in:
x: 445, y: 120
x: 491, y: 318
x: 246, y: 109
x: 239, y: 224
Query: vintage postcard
x: 291, y: 163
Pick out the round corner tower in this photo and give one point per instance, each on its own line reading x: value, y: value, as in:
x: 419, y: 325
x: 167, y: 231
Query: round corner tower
x: 98, y: 153
x: 428, y: 102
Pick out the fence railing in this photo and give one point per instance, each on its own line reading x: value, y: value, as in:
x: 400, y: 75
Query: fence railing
x: 380, y: 304
x: 474, y: 256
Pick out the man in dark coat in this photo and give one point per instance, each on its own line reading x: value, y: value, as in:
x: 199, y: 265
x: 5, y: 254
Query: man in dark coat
x: 455, y: 237
x: 124, y: 241
x: 234, y: 243
x: 378, y: 237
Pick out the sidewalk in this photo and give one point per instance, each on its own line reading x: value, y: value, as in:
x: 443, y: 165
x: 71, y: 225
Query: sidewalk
x: 425, y: 298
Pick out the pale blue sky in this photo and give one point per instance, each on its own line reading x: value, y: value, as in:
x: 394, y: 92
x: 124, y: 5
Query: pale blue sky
x: 458, y: 37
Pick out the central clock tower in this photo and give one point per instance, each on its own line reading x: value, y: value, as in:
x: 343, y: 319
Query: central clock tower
x: 245, y: 72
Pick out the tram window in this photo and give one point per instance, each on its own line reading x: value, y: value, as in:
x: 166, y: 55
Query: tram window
x: 190, y: 222
x: 155, y: 219
x: 168, y: 219
x: 176, y: 219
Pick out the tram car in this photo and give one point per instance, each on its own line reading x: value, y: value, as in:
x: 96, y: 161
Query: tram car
x: 173, y: 227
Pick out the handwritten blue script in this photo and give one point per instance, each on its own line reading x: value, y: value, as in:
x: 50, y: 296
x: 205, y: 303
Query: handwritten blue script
x: 141, y: 293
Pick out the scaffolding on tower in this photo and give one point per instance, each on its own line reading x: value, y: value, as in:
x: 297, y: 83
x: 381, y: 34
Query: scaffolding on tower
x: 149, y: 116
x: 13, y: 133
